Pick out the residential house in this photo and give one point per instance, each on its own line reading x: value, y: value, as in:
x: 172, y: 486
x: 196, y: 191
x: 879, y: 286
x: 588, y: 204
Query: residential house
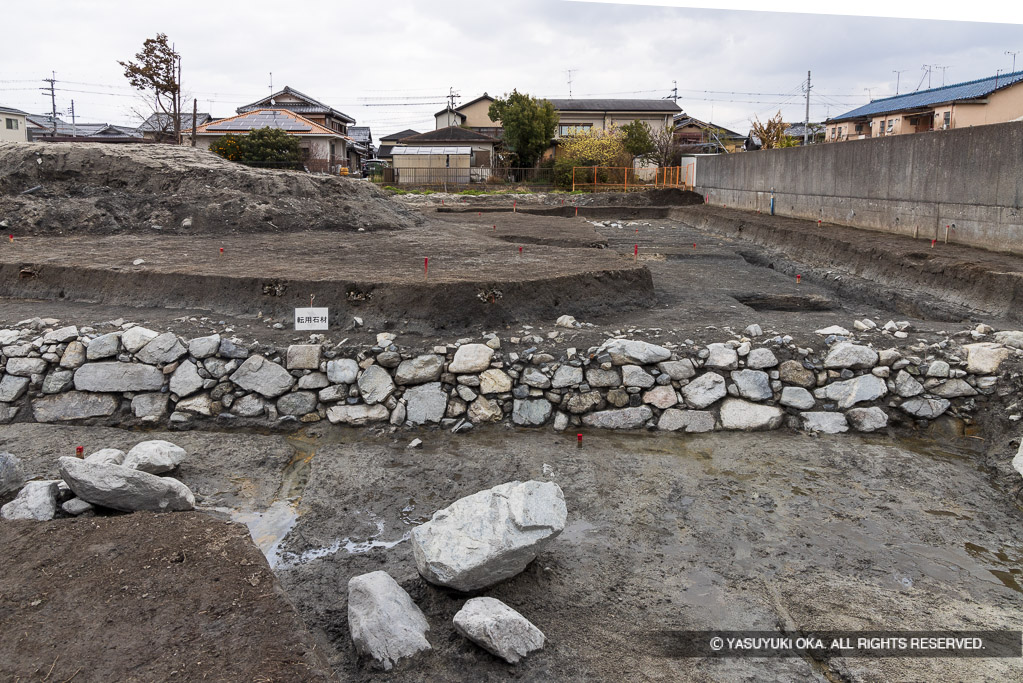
x: 323, y: 149
x: 363, y: 138
x: 389, y: 141
x: 995, y: 99
x: 577, y: 116
x: 160, y: 126
x: 481, y: 146
x: 13, y: 125
x: 46, y: 128
x: 811, y: 132
x: 700, y: 137
x: 432, y: 165
x: 474, y: 115
x: 312, y: 110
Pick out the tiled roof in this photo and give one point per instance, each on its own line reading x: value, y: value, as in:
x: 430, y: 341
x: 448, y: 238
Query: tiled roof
x: 400, y: 136
x: 308, y: 106
x: 360, y: 133
x: 449, y: 134
x: 436, y: 149
x: 969, y: 90
x: 81, y: 130
x: 11, y: 110
x: 665, y: 106
x: 164, y: 122
x: 683, y: 121
x: 287, y: 121
x: 384, y: 151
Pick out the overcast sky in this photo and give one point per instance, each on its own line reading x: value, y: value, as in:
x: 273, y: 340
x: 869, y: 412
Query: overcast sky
x: 390, y: 64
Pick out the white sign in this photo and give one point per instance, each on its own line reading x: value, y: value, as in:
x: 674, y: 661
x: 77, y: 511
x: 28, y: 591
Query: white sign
x: 310, y: 318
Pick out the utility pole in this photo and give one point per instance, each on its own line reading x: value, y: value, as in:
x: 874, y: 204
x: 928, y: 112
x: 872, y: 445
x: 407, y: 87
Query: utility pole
x: 177, y: 105
x: 674, y: 92
x: 74, y: 129
x: 806, y: 121
x: 897, y: 75
x: 195, y: 117
x: 1010, y: 52
x: 53, y: 98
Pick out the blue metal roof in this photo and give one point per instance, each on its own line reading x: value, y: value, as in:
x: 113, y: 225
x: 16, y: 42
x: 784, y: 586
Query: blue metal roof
x: 928, y: 98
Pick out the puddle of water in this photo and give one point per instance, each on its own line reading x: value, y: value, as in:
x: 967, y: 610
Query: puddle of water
x: 269, y: 527
x: 289, y: 560
x: 577, y: 531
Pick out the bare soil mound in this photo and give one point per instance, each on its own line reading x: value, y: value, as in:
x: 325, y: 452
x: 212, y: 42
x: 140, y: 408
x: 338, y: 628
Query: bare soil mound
x: 79, y: 188
x: 146, y: 597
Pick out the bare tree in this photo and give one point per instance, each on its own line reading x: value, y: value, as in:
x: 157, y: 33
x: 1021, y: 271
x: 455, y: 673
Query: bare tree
x: 157, y: 72
x: 771, y: 133
x: 667, y: 149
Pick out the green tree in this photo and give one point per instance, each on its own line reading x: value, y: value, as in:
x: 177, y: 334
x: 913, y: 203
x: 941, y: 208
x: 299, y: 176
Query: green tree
x: 157, y: 72
x: 638, y: 140
x: 529, y: 124
x: 266, y: 147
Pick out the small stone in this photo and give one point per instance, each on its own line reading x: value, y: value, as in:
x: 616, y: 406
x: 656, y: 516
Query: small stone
x: 825, y: 423
x: 797, y: 397
x: 867, y: 419
x: 704, y: 390
x: 498, y: 629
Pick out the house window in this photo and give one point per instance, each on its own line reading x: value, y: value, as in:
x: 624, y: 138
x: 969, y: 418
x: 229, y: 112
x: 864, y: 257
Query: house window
x: 859, y: 127
x: 574, y: 129
x: 891, y: 125
x: 833, y: 130
x: 947, y: 120
x: 12, y: 124
x: 840, y: 132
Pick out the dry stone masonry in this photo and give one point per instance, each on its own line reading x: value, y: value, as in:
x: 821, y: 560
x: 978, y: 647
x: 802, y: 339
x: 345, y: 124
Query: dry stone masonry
x: 61, y: 373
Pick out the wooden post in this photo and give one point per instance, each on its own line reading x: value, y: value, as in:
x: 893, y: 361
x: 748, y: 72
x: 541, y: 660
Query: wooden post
x: 195, y: 117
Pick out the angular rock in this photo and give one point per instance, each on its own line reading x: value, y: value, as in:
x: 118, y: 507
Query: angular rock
x: 752, y: 384
x: 201, y: 404
x: 535, y: 378
x: 797, y: 397
x: 938, y: 368
x: 531, y: 412
x: 825, y: 423
x: 761, y: 358
x: 384, y: 623
x: 73, y: 405
x: 630, y: 351
x: 262, y: 376
x: 583, y: 403
x: 856, y: 390
x: 25, y: 367
x: 164, y: 349
x: 471, y: 358
x: 678, y: 369
x: 739, y: 414
x: 56, y: 381
x: 704, y: 390
x: 954, y: 388
x: 357, y: 415
x: 76, y: 507
x: 927, y: 408
x: 297, y: 403
x: 375, y: 385
x: 155, y: 456
x: 661, y: 397
x: 498, y: 629
x: 12, y: 475
x: 793, y: 372
x: 635, y: 376
x: 623, y: 418
x: 149, y: 405
x: 419, y: 370
x: 113, y: 376
x: 484, y: 409
x: 304, y: 357
x: 490, y: 536
x: 721, y: 357
x: 567, y: 376
x: 1013, y: 338
x: 36, y: 501
x: 204, y: 347
x: 834, y: 329
x: 596, y: 377
x: 342, y: 371
x: 495, y: 381
x: 314, y: 380
x: 906, y: 385
x: 867, y: 419
x: 105, y: 346
x: 425, y: 403
x: 122, y: 488
x: 230, y: 349
x: 135, y: 338
x: 107, y: 456
x: 250, y: 405
x: 852, y: 356
x: 12, y: 388
x: 74, y: 356
x: 985, y: 358
x: 185, y: 380
x: 61, y: 336
x: 689, y: 421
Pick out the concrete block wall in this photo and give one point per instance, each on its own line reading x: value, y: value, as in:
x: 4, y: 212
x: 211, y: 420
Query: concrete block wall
x: 970, y: 179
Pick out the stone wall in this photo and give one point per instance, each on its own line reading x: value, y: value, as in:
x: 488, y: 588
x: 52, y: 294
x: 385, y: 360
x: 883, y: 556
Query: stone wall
x: 970, y: 179
x: 133, y: 374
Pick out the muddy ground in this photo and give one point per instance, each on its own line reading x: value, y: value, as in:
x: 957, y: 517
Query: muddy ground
x: 665, y: 532
x: 780, y: 531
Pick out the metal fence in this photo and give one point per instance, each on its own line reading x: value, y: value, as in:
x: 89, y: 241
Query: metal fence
x: 479, y: 178
x: 628, y: 178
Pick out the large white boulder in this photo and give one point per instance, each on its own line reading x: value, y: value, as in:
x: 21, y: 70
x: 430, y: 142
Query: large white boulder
x: 852, y: 356
x: 36, y: 501
x: 384, y: 622
x: 156, y: 456
x: 739, y: 414
x: 852, y: 391
x: 631, y: 351
x: 122, y: 488
x: 489, y: 536
x: 471, y: 358
x: 262, y: 376
x: 498, y: 629
x: 12, y: 474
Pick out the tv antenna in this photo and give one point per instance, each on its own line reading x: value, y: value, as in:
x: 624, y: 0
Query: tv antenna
x: 898, y: 74
x: 1010, y: 52
x: 570, y: 72
x: 943, y: 69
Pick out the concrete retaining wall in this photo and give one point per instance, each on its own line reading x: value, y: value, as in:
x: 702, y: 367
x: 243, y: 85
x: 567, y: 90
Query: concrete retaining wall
x: 970, y: 179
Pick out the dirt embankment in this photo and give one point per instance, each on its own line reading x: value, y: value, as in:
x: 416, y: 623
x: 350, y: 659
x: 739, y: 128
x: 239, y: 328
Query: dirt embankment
x: 951, y: 277
x: 79, y: 188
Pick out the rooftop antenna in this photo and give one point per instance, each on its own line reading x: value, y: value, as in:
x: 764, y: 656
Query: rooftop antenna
x: 869, y: 97
x: 271, y: 87
x: 943, y: 69
x: 570, y: 72
x: 1010, y: 52
x: 674, y: 91
x: 897, y: 75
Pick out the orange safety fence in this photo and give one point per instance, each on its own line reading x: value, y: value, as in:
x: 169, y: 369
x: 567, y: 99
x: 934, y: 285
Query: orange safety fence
x: 626, y: 178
